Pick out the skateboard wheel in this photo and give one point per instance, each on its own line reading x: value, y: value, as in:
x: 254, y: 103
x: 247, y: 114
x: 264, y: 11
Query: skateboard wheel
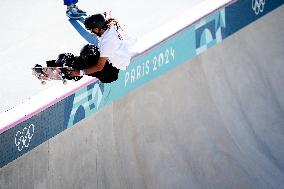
x: 64, y: 82
x: 43, y: 82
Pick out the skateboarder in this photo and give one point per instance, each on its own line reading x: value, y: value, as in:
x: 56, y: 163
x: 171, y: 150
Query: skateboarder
x: 73, y: 11
x: 113, y: 54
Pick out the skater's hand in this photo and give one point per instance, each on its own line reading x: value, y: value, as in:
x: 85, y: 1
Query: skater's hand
x: 74, y: 73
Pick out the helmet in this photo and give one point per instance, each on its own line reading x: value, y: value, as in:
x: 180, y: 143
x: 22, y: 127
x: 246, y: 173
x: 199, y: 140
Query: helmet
x: 95, y: 21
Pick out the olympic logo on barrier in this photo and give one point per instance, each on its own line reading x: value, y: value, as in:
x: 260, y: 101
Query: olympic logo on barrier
x: 23, y: 138
x: 258, y: 6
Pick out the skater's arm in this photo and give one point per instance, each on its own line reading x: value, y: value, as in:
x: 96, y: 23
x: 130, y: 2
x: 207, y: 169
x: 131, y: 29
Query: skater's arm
x: 98, y: 67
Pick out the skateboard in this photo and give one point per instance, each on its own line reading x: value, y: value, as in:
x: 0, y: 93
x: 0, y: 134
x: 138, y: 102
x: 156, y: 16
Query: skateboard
x: 52, y: 73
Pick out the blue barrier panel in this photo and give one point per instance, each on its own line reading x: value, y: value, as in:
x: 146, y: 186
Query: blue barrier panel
x: 32, y: 132
x: 175, y: 50
x: 250, y: 11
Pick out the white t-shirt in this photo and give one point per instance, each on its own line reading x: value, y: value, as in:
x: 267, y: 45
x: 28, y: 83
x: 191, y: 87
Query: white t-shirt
x: 114, y: 46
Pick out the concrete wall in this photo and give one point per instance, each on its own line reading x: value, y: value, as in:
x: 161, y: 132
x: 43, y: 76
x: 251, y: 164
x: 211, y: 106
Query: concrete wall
x: 213, y: 122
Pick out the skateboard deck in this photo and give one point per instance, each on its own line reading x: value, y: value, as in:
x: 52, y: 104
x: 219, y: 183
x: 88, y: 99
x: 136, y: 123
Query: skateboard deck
x: 51, y: 73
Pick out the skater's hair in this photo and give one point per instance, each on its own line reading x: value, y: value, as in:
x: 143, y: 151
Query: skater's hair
x: 113, y: 22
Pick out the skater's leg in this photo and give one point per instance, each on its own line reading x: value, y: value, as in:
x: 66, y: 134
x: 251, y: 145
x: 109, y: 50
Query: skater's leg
x: 74, y: 1
x: 68, y: 2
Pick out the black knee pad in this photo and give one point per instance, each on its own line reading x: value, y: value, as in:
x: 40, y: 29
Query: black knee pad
x: 90, y: 55
x: 65, y: 60
x: 89, y: 50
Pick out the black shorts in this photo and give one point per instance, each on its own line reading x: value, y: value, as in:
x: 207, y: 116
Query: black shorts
x: 108, y: 74
x: 89, y: 56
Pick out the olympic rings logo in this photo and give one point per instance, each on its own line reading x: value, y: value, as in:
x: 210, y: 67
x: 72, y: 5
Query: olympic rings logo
x: 258, y: 6
x: 23, y: 138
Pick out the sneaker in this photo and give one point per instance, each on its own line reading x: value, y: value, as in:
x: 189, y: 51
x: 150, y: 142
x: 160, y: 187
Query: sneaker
x: 72, y: 13
x: 79, y: 11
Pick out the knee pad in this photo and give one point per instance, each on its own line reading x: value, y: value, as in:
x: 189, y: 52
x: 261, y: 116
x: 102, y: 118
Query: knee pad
x: 65, y: 60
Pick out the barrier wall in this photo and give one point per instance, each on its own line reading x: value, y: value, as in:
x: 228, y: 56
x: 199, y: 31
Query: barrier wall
x: 178, y: 48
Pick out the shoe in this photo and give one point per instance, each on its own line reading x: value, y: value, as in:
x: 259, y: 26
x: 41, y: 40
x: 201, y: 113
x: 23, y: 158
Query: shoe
x: 79, y: 11
x: 72, y: 13
x: 50, y: 63
x: 38, y: 66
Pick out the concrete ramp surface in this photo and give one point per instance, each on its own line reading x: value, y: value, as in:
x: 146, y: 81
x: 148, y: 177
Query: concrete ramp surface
x: 214, y: 122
